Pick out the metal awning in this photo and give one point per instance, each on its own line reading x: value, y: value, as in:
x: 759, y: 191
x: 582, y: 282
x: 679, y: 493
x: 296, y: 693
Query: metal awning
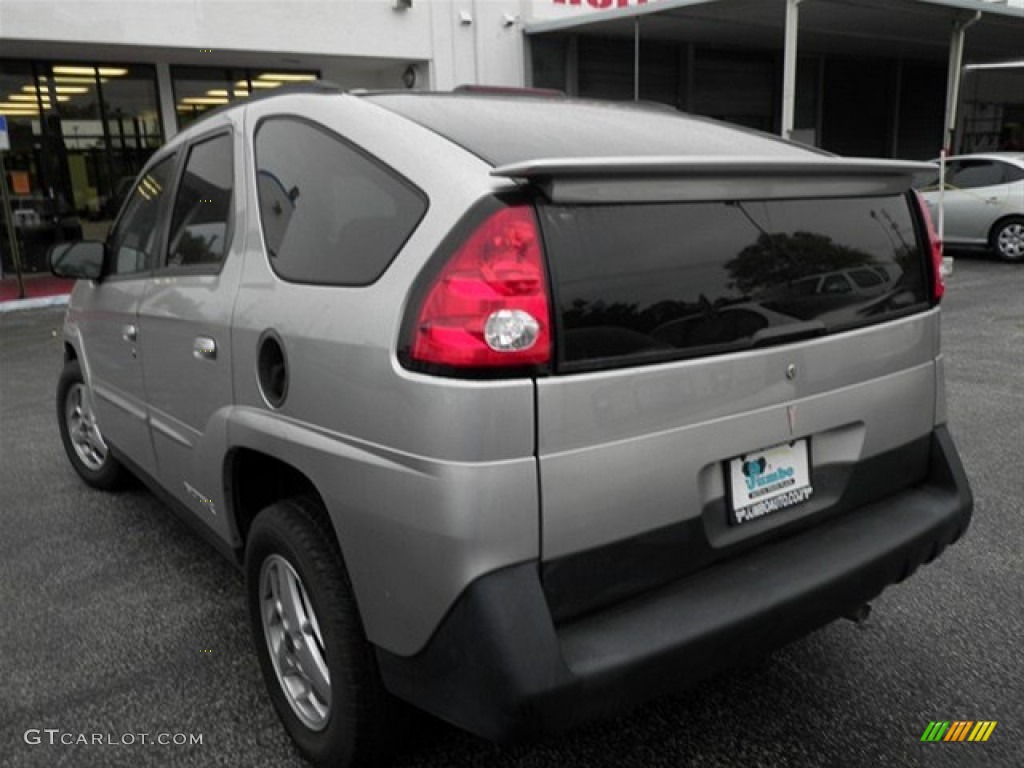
x: 918, y: 29
x: 956, y: 31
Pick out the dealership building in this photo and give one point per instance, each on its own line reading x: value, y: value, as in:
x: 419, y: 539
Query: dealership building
x: 90, y: 88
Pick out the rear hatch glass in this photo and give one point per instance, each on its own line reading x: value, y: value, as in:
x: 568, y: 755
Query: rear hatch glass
x: 641, y: 283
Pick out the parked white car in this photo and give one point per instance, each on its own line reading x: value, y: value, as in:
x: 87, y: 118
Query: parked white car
x: 984, y: 203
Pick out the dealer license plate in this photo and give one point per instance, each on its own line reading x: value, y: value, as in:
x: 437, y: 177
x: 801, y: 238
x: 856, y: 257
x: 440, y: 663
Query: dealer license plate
x: 768, y: 481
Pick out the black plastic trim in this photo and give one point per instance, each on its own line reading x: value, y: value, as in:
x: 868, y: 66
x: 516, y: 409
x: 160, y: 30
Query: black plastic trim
x: 499, y: 666
x: 596, y: 578
x: 187, y: 516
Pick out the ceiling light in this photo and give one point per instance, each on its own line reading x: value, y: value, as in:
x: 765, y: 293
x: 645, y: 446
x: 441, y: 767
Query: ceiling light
x: 69, y: 70
x: 81, y: 80
x: 996, y: 65
x: 65, y: 69
x: 57, y: 88
x: 265, y: 84
x: 205, y: 100
x: 287, y: 77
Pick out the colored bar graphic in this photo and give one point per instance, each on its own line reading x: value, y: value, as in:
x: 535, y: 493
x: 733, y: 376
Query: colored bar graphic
x: 958, y: 730
x: 935, y: 730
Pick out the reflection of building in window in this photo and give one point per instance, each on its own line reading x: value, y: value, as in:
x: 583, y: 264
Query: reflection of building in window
x: 199, y: 226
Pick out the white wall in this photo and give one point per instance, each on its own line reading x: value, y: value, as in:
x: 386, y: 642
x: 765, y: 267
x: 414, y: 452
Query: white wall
x: 349, y: 27
x: 464, y: 41
x: 476, y: 41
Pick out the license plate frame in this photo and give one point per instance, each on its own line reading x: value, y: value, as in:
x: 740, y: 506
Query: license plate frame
x: 767, y: 481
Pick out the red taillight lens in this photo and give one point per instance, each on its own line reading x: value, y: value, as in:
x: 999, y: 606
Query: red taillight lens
x: 489, y: 307
x: 935, y: 244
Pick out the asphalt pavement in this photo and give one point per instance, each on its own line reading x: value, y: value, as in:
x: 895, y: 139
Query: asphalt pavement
x: 115, y: 621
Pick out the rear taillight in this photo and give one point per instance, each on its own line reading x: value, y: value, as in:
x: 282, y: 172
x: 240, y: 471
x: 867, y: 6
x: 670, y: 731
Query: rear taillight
x: 935, y: 245
x: 490, y: 306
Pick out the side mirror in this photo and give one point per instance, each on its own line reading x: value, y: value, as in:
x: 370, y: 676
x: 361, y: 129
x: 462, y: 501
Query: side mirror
x: 82, y: 259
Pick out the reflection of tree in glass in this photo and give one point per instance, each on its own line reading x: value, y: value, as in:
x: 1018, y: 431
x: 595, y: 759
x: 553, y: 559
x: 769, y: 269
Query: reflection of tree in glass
x: 584, y: 314
x: 776, y: 259
x: 192, y: 249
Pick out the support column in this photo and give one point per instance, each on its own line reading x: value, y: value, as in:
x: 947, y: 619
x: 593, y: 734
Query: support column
x: 165, y: 96
x: 956, y: 59
x: 789, y: 63
x: 636, y: 58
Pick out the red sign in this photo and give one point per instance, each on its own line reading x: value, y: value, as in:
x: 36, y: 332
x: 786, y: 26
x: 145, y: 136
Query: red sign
x: 601, y: 3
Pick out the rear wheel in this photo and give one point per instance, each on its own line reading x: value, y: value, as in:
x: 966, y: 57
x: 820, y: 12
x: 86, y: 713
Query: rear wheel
x: 80, y: 432
x: 1008, y: 239
x: 318, y: 666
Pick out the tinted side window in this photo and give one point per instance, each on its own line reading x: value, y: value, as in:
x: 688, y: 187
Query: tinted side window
x: 330, y: 214
x: 977, y: 173
x: 133, y: 243
x: 1013, y: 174
x: 200, y: 228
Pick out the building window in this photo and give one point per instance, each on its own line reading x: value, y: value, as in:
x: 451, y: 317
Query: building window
x: 80, y: 132
x: 200, y: 89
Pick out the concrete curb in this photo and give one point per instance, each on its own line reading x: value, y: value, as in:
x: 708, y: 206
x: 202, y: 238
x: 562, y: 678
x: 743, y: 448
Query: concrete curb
x: 34, y: 303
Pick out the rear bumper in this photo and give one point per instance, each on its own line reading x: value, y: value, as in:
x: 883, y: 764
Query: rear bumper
x: 500, y: 667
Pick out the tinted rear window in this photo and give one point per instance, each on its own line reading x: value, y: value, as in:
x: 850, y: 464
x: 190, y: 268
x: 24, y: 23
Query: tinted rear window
x: 330, y: 213
x: 504, y: 130
x: 641, y: 283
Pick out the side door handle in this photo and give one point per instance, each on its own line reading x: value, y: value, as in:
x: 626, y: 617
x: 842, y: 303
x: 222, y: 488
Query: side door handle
x: 130, y: 333
x: 204, y: 348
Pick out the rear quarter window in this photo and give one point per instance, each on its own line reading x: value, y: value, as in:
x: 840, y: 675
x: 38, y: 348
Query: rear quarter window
x: 330, y: 213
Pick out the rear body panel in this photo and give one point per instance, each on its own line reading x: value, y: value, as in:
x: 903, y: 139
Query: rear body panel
x: 626, y: 452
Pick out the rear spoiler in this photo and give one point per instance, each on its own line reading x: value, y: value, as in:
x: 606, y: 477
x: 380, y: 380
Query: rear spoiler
x: 680, y: 179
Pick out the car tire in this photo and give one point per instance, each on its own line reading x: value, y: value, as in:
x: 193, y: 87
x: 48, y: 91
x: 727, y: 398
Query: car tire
x: 1008, y: 239
x: 79, y: 431
x: 305, y: 622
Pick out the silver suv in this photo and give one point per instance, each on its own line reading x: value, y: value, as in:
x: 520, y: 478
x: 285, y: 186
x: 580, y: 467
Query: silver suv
x: 514, y: 407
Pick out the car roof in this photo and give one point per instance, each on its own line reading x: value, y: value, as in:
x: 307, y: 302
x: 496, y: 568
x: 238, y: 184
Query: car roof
x: 507, y: 125
x: 504, y: 127
x: 1013, y: 157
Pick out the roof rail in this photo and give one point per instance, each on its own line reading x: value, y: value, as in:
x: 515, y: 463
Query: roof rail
x: 507, y: 90
x: 312, y: 86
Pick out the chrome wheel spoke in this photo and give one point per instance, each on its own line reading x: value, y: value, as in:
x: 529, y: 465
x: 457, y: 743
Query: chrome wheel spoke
x: 291, y: 599
x: 314, y: 667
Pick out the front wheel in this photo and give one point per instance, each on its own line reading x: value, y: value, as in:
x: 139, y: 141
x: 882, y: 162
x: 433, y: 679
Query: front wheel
x: 319, y: 669
x: 80, y: 432
x: 1008, y: 239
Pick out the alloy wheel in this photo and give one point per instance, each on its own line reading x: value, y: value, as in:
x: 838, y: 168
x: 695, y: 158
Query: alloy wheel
x: 1010, y: 241
x: 295, y: 643
x: 82, y: 428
